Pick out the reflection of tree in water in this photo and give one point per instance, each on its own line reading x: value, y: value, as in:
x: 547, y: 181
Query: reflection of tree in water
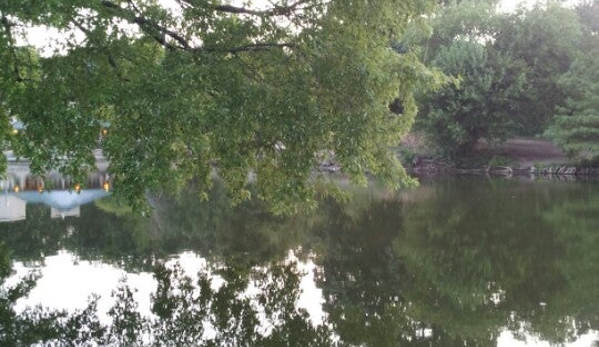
x: 361, y: 277
x: 439, y: 271
x: 494, y: 258
x: 35, y: 236
x: 447, y: 271
x: 577, y: 226
x: 214, y: 229
x: 247, y: 309
x: 366, y: 282
x: 93, y: 235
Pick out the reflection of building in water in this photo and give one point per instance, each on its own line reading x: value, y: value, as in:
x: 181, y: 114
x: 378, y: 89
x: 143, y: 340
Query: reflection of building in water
x: 11, y: 208
x: 56, y: 213
x: 19, y: 177
x: 61, y: 194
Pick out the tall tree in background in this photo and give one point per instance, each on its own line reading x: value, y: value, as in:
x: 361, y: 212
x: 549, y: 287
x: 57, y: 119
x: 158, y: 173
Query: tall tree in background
x: 543, y: 42
x: 479, y: 106
x: 576, y: 125
x: 209, y: 85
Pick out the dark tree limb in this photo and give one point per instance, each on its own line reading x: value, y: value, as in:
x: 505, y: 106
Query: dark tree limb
x: 260, y: 46
x: 274, y: 11
x: 160, y: 33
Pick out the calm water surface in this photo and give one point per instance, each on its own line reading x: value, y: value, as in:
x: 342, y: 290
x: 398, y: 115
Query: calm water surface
x: 459, y: 261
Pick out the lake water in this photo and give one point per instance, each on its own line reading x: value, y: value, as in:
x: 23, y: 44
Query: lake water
x: 458, y: 261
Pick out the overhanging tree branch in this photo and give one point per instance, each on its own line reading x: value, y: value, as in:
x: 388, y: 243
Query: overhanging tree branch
x: 160, y: 33
x: 150, y: 27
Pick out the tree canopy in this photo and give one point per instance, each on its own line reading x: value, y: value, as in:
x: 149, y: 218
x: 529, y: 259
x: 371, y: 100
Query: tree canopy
x: 543, y: 42
x: 480, y: 106
x: 179, y: 91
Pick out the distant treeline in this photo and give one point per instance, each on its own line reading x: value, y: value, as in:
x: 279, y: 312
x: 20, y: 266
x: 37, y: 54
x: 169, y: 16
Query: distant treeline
x: 530, y: 72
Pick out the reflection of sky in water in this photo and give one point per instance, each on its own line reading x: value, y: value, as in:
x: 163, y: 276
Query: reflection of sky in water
x: 68, y: 283
x: 506, y: 340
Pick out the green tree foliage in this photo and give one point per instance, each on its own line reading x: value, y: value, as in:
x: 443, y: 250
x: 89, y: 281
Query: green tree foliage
x: 576, y: 125
x: 459, y: 19
x: 479, y: 106
x: 509, y: 70
x: 543, y: 42
x: 213, y: 86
